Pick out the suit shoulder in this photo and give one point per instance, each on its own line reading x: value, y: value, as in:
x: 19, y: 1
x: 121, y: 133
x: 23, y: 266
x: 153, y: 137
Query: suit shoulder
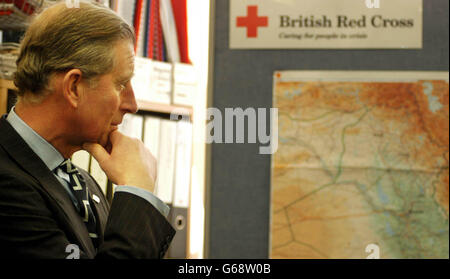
x: 12, y: 173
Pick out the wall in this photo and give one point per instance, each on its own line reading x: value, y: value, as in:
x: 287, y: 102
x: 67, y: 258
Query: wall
x: 239, y: 188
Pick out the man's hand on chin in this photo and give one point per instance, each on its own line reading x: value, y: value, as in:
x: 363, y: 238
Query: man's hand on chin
x: 125, y: 160
x: 105, y: 139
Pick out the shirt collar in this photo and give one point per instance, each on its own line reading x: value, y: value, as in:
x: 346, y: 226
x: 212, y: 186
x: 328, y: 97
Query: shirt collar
x: 48, y: 154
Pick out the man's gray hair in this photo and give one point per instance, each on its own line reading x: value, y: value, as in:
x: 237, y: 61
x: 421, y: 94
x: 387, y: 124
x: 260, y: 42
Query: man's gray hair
x: 62, y: 38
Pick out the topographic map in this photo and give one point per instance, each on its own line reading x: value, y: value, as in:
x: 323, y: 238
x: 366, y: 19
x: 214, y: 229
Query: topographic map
x: 363, y: 159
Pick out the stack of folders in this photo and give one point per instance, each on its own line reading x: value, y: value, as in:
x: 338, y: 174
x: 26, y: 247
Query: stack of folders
x: 184, y: 84
x: 164, y: 83
x: 152, y: 81
x: 170, y: 142
x: 181, y: 197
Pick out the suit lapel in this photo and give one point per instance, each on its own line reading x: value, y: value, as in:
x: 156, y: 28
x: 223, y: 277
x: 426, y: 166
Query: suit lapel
x: 32, y: 164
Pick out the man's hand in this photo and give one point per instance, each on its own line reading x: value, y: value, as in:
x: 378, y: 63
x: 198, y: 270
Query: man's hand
x: 129, y: 162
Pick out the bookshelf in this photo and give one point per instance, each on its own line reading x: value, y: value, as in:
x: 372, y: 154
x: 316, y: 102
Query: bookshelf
x: 5, y: 85
x: 144, y: 106
x: 161, y: 108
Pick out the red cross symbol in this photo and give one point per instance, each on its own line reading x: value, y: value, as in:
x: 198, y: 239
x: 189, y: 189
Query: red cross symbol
x: 252, y: 21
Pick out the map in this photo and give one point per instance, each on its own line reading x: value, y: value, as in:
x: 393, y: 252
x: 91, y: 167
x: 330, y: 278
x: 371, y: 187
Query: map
x: 362, y: 166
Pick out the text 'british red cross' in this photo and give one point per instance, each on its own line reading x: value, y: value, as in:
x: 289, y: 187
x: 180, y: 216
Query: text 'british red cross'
x: 252, y: 21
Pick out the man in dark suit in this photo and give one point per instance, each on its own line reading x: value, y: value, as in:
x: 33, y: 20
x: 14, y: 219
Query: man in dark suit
x: 73, y: 79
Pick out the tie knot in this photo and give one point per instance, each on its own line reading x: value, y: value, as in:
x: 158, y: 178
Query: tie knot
x: 67, y: 167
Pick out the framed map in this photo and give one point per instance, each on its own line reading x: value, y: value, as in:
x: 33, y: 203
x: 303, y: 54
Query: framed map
x: 362, y: 166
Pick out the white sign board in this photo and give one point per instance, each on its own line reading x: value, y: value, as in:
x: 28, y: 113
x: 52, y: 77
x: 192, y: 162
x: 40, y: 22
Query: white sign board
x: 325, y: 24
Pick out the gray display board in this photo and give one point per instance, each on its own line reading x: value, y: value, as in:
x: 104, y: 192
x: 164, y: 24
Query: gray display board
x: 238, y: 224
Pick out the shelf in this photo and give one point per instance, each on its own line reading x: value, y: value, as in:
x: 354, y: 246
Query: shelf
x: 162, y: 108
x: 5, y: 85
x: 142, y: 105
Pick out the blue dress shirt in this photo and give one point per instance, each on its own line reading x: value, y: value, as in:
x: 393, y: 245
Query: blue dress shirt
x: 52, y: 159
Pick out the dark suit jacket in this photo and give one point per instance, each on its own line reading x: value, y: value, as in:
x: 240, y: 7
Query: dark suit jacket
x: 39, y: 220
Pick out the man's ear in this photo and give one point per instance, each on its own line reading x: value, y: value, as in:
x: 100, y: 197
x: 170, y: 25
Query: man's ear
x: 73, y: 87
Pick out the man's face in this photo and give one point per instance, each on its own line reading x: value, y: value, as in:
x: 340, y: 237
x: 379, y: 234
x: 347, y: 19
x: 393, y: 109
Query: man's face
x: 104, y: 105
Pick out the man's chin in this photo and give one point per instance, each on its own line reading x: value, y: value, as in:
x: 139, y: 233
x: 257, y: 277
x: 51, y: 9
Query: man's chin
x: 104, y: 139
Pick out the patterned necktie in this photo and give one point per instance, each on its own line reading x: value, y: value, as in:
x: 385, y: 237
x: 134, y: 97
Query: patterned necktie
x: 81, y: 193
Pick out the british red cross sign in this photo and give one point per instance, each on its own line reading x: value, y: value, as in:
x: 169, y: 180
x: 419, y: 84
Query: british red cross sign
x: 325, y: 24
x: 252, y: 21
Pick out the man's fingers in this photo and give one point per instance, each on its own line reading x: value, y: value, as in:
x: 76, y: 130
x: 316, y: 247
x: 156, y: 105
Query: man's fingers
x: 114, y: 136
x: 96, y: 150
